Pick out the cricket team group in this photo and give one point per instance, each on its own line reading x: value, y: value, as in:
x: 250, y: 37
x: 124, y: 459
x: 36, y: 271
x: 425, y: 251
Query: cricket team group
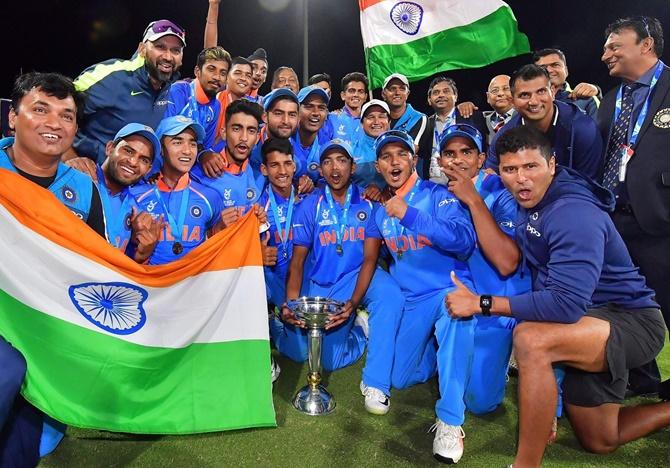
x: 452, y: 240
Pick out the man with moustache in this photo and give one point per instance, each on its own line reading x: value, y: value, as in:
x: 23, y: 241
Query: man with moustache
x: 286, y: 77
x: 196, y: 99
x: 442, y: 97
x: 121, y: 91
x: 574, y: 136
x: 634, y: 120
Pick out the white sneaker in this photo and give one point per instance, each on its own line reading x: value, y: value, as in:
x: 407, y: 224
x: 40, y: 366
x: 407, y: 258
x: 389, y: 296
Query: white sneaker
x: 275, y: 370
x: 448, y: 442
x: 376, y: 401
x: 361, y: 320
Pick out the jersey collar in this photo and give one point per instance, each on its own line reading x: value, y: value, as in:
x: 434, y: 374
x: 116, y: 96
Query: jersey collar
x: 232, y: 168
x: 182, y: 183
x: 408, y: 185
x: 200, y: 94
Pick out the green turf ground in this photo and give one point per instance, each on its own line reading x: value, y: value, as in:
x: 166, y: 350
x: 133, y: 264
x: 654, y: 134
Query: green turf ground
x: 349, y: 436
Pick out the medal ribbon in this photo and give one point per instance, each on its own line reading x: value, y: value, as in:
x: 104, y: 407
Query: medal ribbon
x: 283, y: 232
x: 340, y: 227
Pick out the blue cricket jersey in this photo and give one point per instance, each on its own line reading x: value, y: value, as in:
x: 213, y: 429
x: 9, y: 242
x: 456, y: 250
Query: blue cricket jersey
x: 320, y: 228
x: 194, y: 209
x: 365, y: 158
x: 306, y: 158
x: 504, y: 209
x: 118, y: 209
x: 236, y: 186
x: 433, y: 238
x: 346, y: 126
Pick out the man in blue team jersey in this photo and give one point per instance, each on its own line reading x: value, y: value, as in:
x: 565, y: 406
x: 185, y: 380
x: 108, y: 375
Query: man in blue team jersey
x: 306, y: 145
x: 236, y: 185
x: 493, y: 264
x: 427, y: 232
x: 190, y: 210
x: 347, y: 120
x: 335, y: 226
x: 589, y: 308
x: 129, y: 157
x: 374, y: 121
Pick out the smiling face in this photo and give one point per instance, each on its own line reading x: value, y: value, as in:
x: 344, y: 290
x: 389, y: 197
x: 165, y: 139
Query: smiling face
x: 45, y: 125
x: 558, y: 71
x: 396, y: 164
x: 179, y: 152
x: 355, y: 94
x: 395, y: 94
x: 499, y: 94
x: 279, y: 169
x: 533, y: 99
x: 442, y: 97
x: 626, y: 56
x: 260, y: 73
x: 241, y: 136
x: 283, y: 118
x: 212, y: 76
x: 336, y: 168
x: 375, y: 121
x: 313, y: 113
x: 527, y: 175
x: 128, y: 160
x: 286, y: 78
x: 239, y: 79
x: 462, y: 153
x: 162, y: 57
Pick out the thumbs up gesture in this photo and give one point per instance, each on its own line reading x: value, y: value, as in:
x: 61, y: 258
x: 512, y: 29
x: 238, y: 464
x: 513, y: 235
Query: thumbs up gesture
x: 269, y: 253
x: 461, y: 302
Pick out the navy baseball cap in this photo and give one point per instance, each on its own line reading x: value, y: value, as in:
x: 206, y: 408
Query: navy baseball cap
x: 175, y: 125
x: 276, y: 94
x: 394, y: 136
x: 465, y: 131
x: 142, y: 130
x: 337, y: 144
x: 307, y: 91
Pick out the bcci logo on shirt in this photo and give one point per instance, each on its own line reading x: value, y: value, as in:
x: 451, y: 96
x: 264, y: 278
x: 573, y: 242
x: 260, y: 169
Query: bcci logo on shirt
x: 313, y: 166
x: 196, y: 211
x: 69, y: 194
x: 361, y: 216
x: 126, y: 222
x: 251, y: 194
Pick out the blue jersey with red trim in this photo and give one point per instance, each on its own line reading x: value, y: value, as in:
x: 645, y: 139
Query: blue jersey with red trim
x: 203, y: 211
x: 316, y: 227
x: 504, y: 210
x: 433, y: 238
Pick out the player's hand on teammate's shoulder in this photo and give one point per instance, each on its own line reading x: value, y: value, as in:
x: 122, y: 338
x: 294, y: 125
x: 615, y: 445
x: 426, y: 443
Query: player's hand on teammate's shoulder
x: 305, y: 184
x: 213, y: 164
x: 85, y: 165
x: 373, y: 193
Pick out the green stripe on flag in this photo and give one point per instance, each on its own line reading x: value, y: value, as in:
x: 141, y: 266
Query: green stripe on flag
x: 93, y: 380
x: 488, y: 40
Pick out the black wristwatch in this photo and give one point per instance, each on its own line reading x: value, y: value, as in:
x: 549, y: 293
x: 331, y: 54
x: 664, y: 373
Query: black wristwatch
x: 485, y: 303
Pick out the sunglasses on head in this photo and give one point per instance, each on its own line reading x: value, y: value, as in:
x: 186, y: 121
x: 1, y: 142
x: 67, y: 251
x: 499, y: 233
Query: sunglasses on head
x: 162, y: 26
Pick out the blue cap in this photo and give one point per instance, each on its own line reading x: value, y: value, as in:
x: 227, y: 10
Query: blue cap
x: 142, y: 130
x: 307, y: 91
x: 394, y: 136
x: 276, y: 94
x: 465, y: 131
x: 174, y: 125
x: 337, y: 144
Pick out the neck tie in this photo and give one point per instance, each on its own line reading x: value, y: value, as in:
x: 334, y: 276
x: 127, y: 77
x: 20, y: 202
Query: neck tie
x: 500, y: 122
x: 618, y: 139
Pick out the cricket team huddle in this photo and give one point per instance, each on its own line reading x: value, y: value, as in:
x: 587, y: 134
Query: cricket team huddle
x: 451, y: 239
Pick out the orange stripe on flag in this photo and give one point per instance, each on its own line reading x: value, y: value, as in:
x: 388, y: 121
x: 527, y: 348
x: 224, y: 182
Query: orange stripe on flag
x: 363, y: 4
x: 39, y: 210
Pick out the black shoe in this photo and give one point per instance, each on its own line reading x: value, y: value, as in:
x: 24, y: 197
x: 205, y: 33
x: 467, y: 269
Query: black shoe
x: 664, y: 390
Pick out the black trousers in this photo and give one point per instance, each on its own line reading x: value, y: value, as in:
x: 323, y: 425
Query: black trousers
x: 652, y: 255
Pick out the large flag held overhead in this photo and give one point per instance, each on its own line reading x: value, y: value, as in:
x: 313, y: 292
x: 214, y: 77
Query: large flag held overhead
x: 422, y: 37
x: 110, y: 344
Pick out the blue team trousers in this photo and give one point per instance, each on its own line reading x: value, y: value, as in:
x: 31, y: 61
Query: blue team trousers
x: 344, y: 345
x: 430, y: 341
x: 485, y: 389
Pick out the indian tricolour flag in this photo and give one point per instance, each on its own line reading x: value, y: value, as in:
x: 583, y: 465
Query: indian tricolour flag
x: 422, y: 37
x: 110, y: 344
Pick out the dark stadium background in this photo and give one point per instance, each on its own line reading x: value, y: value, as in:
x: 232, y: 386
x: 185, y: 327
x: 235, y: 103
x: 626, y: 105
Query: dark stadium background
x: 67, y: 36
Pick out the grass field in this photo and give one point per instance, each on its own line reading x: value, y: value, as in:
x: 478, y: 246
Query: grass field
x: 349, y: 436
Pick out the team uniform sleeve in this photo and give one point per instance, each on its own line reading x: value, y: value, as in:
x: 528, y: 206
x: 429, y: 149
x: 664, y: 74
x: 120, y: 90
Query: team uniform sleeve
x: 505, y: 211
x: 371, y: 228
x: 175, y: 100
x: 576, y: 256
x: 303, y: 225
x: 216, y: 203
x: 447, y: 228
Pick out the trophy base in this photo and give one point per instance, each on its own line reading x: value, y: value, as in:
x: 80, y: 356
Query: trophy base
x: 314, y: 401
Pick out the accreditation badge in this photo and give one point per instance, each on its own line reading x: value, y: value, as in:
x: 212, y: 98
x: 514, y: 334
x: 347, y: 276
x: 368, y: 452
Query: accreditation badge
x: 626, y: 155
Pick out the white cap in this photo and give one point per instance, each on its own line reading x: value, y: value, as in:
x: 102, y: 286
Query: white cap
x: 375, y: 102
x: 398, y: 76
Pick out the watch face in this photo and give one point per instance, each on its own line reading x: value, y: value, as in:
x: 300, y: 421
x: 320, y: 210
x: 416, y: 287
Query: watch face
x: 485, y: 302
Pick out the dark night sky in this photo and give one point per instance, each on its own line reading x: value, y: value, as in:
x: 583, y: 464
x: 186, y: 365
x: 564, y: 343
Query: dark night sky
x: 67, y: 36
